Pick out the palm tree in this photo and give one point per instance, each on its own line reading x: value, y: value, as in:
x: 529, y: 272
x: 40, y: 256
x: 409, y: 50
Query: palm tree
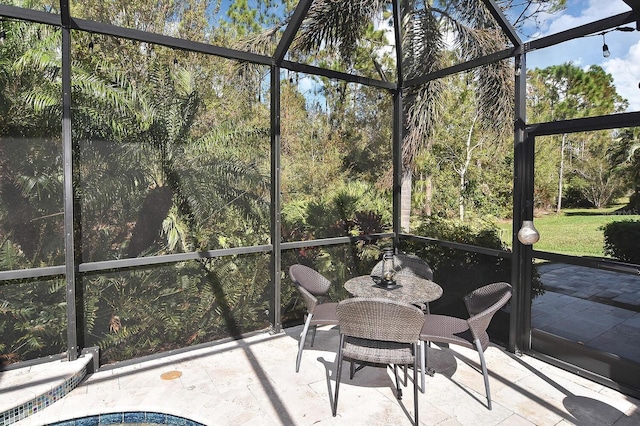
x: 425, y: 27
x: 153, y: 160
x: 150, y: 154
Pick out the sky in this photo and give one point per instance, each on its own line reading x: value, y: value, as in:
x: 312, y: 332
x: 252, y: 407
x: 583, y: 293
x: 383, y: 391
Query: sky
x: 624, y: 62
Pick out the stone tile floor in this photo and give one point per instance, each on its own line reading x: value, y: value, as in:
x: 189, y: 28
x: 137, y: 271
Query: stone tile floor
x: 598, y: 308
x: 253, y: 381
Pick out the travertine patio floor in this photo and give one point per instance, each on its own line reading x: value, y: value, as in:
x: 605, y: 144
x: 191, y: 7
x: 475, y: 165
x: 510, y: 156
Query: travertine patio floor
x: 253, y: 381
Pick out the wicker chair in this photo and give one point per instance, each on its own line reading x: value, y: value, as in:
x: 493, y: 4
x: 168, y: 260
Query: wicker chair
x: 407, y: 264
x: 311, y: 285
x: 379, y: 331
x: 482, y: 304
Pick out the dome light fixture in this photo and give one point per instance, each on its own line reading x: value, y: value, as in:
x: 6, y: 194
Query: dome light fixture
x: 528, y: 234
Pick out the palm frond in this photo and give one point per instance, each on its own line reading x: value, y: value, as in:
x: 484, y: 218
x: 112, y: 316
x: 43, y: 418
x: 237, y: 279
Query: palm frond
x: 337, y: 25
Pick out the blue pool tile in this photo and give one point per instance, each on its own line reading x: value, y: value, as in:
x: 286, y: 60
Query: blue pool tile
x: 134, y: 417
x: 88, y: 421
x: 156, y: 418
x: 177, y: 421
x: 111, y: 419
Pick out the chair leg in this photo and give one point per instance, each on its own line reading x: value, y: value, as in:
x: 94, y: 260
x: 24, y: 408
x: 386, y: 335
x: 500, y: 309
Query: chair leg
x: 483, y: 364
x: 430, y: 371
x: 338, y: 372
x: 422, y: 353
x: 415, y: 382
x: 303, y: 337
x: 313, y: 336
x: 398, y: 389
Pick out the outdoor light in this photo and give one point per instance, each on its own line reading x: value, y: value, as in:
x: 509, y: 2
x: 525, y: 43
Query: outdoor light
x: 528, y: 234
x: 3, y: 35
x: 605, y: 48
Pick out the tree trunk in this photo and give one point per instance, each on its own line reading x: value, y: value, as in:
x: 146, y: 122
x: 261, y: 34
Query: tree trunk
x: 465, y: 166
x: 405, y: 201
x: 428, y: 195
x: 461, y: 198
x: 561, y: 173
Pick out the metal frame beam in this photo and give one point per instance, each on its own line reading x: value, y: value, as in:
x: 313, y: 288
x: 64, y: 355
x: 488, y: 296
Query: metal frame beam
x: 289, y: 33
x: 398, y: 121
x: 337, y: 75
x: 397, y: 34
x: 485, y: 60
x: 581, y: 31
x: 504, y: 23
x: 30, y: 15
x: 168, y: 41
x: 276, y: 231
x: 71, y: 270
x: 522, y: 182
x: 604, y: 122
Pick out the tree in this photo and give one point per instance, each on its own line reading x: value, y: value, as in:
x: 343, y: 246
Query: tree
x: 625, y: 155
x: 424, y: 27
x: 565, y: 91
x: 594, y: 174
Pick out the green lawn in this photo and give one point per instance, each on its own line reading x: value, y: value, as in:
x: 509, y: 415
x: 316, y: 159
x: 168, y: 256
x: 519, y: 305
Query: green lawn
x: 574, y: 231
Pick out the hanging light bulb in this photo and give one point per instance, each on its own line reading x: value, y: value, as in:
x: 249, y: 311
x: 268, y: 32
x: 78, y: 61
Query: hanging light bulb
x: 605, y: 48
x: 528, y: 234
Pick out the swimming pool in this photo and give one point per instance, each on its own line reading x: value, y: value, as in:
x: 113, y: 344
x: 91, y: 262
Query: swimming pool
x: 129, y: 418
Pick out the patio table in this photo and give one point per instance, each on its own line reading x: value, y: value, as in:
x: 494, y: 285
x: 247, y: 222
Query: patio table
x: 412, y: 289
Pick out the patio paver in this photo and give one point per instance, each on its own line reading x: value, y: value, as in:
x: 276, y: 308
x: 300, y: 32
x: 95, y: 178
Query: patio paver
x: 253, y: 381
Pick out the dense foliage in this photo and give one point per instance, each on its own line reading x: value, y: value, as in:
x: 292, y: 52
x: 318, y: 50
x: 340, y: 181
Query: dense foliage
x: 621, y: 240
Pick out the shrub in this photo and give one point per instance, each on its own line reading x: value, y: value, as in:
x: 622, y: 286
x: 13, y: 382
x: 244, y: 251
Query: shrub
x: 621, y: 240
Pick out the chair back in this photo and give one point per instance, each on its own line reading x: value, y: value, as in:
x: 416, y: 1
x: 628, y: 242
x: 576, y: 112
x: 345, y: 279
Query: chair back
x: 406, y: 264
x: 483, y: 303
x: 314, y: 282
x: 380, y: 319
